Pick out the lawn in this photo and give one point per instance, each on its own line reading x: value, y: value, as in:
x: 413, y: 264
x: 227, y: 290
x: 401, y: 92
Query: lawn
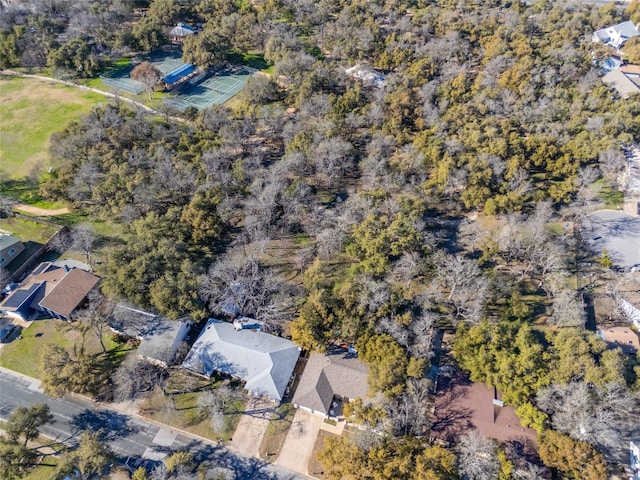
x: 181, y: 410
x: 30, y: 112
x: 23, y: 354
x: 26, y: 230
x: 277, y: 432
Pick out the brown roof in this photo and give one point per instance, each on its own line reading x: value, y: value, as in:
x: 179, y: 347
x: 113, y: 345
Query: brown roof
x: 618, y: 80
x: 69, y: 292
x: 461, y: 405
x: 623, y: 337
x: 336, y: 373
x: 630, y: 69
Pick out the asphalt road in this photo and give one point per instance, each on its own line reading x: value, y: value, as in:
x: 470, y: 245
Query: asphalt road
x: 130, y: 437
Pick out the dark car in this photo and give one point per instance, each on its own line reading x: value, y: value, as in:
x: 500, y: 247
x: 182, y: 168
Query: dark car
x: 6, y: 332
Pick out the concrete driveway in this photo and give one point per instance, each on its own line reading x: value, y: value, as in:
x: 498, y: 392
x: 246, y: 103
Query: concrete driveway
x: 252, y: 427
x: 298, y: 446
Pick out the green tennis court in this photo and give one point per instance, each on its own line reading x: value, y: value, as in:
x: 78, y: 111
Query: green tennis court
x: 214, y: 90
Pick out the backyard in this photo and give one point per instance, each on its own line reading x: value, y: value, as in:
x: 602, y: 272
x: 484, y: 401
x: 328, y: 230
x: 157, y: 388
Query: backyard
x: 23, y: 354
x: 28, y: 119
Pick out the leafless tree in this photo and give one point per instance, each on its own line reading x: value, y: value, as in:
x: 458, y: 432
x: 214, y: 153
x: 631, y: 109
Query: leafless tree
x: 136, y: 376
x: 465, y: 285
x: 597, y: 415
x: 477, y: 458
x: 612, y: 164
x: 238, y: 285
x: 409, y: 414
x: 567, y: 310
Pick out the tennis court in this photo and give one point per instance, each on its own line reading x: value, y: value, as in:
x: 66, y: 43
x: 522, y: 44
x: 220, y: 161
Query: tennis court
x: 214, y: 90
x: 163, y: 60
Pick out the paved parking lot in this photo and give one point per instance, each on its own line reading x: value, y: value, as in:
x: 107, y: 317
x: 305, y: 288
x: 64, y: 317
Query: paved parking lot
x: 617, y: 233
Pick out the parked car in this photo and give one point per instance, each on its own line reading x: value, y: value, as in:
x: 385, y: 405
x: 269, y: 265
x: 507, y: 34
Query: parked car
x: 6, y: 332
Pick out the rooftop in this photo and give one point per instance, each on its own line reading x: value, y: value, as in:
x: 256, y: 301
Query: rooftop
x: 7, y: 241
x: 69, y: 292
x: 264, y: 361
x: 338, y: 372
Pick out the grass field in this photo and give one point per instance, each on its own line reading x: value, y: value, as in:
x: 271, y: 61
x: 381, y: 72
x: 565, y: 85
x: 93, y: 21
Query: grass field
x: 30, y: 111
x: 23, y: 354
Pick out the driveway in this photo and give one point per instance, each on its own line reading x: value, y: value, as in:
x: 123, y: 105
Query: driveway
x: 252, y: 427
x: 298, y: 446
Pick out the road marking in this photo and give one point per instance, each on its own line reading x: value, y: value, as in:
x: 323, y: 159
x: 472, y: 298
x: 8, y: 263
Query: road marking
x: 165, y: 437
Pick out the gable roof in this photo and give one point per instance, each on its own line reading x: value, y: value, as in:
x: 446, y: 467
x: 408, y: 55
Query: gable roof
x: 7, y: 241
x: 339, y: 372
x: 69, y: 292
x: 182, y: 30
x: 616, y: 35
x: 623, y: 84
x: 59, y: 289
x: 264, y: 361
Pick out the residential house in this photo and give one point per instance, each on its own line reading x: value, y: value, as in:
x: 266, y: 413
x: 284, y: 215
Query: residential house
x: 626, y: 84
x: 180, y: 32
x: 634, y: 460
x: 160, y: 338
x: 10, y: 248
x: 265, y: 362
x: 367, y: 75
x: 620, y: 337
x: 56, y: 290
x: 329, y: 380
x: 616, y: 35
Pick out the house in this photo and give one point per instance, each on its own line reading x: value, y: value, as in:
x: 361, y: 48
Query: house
x: 180, y: 32
x: 634, y: 460
x: 625, y: 84
x: 10, y: 248
x: 329, y: 380
x: 53, y: 289
x: 265, y: 362
x: 620, y: 337
x: 367, y: 75
x: 616, y: 35
x: 160, y: 338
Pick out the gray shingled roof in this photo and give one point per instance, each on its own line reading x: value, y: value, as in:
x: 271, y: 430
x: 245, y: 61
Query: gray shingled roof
x: 618, y: 80
x: 264, y: 361
x: 336, y: 373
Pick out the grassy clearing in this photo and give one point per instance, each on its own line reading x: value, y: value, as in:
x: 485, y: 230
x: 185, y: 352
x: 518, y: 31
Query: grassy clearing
x: 276, y: 432
x: 31, y: 111
x: 610, y: 196
x: 181, y: 410
x: 22, y: 355
x: 27, y: 230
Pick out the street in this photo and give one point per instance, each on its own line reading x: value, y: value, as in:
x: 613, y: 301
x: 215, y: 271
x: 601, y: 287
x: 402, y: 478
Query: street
x: 130, y: 437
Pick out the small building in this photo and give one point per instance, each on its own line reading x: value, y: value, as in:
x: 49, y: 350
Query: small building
x: 10, y: 248
x: 179, y: 75
x: 634, y: 460
x: 51, y: 289
x: 616, y: 35
x: 160, y: 338
x: 329, y: 380
x: 625, y: 84
x: 367, y: 75
x: 620, y: 337
x: 180, y: 32
x: 265, y: 362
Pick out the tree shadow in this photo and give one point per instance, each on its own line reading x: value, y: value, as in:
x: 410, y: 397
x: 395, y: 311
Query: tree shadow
x: 112, y: 425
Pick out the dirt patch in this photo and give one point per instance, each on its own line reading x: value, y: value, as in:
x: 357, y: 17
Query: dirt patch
x: 315, y: 467
x: 72, y: 335
x: 40, y: 211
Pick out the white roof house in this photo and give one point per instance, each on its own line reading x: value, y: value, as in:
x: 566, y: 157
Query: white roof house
x: 616, y: 35
x: 367, y: 75
x: 265, y: 362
